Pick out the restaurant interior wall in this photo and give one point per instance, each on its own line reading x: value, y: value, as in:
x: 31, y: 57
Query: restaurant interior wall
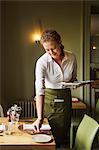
x: 19, y: 53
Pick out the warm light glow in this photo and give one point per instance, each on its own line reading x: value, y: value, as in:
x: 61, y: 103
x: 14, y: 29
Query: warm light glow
x: 94, y: 47
x: 36, y: 37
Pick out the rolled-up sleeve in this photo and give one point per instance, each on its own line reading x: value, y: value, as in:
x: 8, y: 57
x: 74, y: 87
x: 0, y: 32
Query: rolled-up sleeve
x: 40, y: 78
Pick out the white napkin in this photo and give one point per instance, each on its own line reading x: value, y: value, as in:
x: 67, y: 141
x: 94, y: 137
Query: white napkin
x: 45, y: 127
x: 2, y: 127
x: 74, y: 99
x: 30, y: 127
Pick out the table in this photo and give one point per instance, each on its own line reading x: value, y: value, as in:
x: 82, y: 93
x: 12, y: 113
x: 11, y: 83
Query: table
x: 78, y: 105
x: 94, y: 90
x: 78, y: 108
x: 21, y: 140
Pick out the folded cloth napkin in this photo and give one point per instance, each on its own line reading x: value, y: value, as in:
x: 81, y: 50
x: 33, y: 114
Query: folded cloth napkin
x: 30, y: 127
x: 2, y: 127
x: 74, y: 99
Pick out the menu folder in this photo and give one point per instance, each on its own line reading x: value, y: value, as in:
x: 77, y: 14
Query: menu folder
x: 76, y: 84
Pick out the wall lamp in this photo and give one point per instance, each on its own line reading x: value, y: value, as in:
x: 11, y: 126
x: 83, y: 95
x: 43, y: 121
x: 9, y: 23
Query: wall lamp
x: 93, y: 47
x: 36, y: 38
x: 37, y: 31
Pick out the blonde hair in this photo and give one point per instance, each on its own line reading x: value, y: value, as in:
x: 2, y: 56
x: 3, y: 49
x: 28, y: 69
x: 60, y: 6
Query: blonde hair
x: 52, y: 35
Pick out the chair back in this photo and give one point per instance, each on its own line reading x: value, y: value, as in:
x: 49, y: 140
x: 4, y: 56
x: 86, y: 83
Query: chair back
x: 86, y: 133
x: 1, y: 111
x: 97, y: 111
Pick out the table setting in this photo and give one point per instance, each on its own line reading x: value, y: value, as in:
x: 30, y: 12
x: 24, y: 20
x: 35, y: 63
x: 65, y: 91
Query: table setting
x: 16, y: 133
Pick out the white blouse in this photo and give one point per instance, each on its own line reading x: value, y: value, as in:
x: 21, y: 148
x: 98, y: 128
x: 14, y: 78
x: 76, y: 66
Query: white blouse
x: 50, y: 75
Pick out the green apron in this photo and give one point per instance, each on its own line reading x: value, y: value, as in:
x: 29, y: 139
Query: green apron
x: 58, y: 111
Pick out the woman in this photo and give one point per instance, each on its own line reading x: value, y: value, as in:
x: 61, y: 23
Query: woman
x: 53, y: 99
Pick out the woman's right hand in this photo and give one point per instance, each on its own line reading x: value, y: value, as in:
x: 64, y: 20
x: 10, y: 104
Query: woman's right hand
x: 40, y: 106
x: 37, y: 125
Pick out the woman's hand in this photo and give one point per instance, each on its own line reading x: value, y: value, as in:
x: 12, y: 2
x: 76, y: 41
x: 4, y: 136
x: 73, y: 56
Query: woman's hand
x: 37, y: 125
x: 40, y: 106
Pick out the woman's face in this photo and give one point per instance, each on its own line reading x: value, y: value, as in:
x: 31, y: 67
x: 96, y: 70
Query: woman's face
x: 53, y: 48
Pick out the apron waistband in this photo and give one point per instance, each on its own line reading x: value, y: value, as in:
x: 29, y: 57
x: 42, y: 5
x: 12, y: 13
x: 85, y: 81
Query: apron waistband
x: 57, y: 91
